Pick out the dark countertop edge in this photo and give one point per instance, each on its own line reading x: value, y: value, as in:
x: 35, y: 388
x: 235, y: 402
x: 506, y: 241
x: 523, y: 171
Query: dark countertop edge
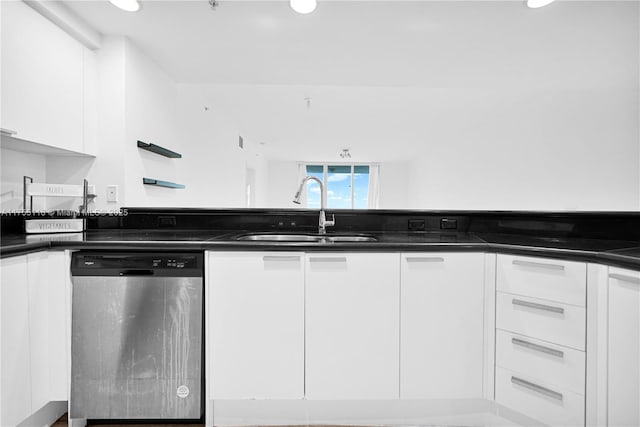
x: 23, y: 249
x: 271, y: 246
x: 605, y: 258
x: 618, y: 260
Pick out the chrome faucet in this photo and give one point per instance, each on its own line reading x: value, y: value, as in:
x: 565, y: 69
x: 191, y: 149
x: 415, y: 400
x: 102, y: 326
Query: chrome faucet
x: 322, y: 220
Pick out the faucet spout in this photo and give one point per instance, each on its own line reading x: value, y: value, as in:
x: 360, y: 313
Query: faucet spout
x: 322, y: 218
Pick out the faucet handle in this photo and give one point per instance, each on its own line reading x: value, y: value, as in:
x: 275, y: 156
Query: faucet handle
x: 332, y: 222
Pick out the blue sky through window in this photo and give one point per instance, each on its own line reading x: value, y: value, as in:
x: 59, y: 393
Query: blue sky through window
x: 339, y: 180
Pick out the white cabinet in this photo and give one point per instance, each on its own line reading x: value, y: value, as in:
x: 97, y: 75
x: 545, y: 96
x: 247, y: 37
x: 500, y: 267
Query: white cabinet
x: 59, y: 324
x: 34, y: 339
x: 352, y: 325
x: 551, y: 321
x: 39, y: 321
x: 256, y: 325
x: 42, y: 79
x: 15, y: 377
x: 544, y: 278
x: 552, y: 405
x: 541, y: 327
x: 624, y: 348
x: 442, y: 325
x: 49, y: 286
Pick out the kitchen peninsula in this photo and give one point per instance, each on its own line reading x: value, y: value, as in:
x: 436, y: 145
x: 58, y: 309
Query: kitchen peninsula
x: 519, y: 305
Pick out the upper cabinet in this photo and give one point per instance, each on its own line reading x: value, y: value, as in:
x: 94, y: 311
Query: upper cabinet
x: 43, y: 79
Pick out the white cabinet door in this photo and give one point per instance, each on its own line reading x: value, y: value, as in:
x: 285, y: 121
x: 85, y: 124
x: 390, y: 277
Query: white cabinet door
x: 58, y: 340
x: 624, y: 348
x: 39, y: 283
x: 15, y: 379
x: 42, y: 93
x: 256, y: 315
x: 352, y: 325
x: 442, y: 325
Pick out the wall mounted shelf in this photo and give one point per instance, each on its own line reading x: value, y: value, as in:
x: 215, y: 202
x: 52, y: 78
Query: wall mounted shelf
x: 158, y: 183
x: 159, y: 150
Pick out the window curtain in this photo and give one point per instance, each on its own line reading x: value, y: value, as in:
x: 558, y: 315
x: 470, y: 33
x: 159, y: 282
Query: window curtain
x: 374, y: 186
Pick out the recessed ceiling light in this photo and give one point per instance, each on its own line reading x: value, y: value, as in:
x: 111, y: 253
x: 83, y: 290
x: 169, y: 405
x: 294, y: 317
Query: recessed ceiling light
x: 128, y: 5
x: 534, y: 4
x: 303, y: 6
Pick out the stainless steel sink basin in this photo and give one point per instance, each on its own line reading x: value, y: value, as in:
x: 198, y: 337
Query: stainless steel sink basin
x: 281, y: 237
x: 353, y: 239
x: 313, y: 238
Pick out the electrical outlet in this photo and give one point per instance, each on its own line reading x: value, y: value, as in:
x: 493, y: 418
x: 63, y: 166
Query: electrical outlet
x: 112, y: 193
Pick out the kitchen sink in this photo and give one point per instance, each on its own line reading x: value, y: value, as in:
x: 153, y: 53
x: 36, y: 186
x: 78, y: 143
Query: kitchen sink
x: 353, y: 239
x: 313, y: 238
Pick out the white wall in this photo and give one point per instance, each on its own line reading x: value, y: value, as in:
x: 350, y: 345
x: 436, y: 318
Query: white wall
x: 283, y: 184
x: 14, y: 165
x: 159, y: 111
x: 213, y: 166
x: 544, y: 150
x: 465, y: 148
x: 150, y: 116
x: 541, y: 148
x: 109, y: 166
x: 259, y: 165
x: 394, y: 185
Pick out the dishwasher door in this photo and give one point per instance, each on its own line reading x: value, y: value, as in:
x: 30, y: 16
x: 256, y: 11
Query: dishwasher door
x: 136, y: 347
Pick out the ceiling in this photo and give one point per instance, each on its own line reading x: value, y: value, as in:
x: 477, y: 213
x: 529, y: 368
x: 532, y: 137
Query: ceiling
x: 381, y: 74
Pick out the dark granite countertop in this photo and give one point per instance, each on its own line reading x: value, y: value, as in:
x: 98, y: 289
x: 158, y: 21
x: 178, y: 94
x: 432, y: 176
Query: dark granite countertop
x: 611, y: 252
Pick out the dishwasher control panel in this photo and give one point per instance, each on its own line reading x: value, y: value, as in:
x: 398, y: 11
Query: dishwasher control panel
x: 124, y: 264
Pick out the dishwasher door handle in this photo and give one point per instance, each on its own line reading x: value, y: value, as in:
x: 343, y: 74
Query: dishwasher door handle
x: 136, y: 273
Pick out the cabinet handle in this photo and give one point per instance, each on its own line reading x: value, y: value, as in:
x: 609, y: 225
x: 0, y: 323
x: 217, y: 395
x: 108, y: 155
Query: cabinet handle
x: 425, y: 259
x: 537, y: 306
x: 538, y: 347
x: 268, y: 258
x: 8, y: 132
x: 625, y: 278
x: 535, y: 387
x: 538, y: 264
x: 329, y: 259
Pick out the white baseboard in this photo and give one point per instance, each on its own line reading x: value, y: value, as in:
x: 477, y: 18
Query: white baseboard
x: 441, y: 412
x: 46, y: 416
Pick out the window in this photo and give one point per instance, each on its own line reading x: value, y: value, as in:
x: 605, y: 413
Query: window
x: 347, y: 186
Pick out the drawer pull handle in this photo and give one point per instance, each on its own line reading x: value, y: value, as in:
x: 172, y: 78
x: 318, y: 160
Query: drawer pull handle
x: 535, y: 387
x: 537, y: 306
x: 538, y: 264
x: 537, y: 347
x: 268, y: 258
x: 328, y: 259
x: 425, y: 259
x: 624, y: 278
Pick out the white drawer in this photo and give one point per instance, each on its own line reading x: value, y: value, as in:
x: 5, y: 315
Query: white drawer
x: 546, y: 320
x: 554, y: 364
x: 541, y: 401
x: 550, y: 279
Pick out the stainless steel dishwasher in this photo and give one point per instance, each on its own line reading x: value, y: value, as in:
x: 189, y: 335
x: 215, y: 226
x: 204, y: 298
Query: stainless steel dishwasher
x: 137, y: 336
